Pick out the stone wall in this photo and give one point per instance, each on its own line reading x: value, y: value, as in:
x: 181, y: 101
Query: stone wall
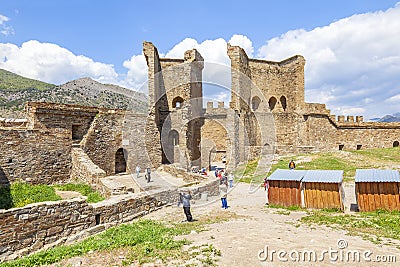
x: 104, y: 138
x: 36, y: 225
x: 295, y: 126
x: 175, y: 105
x: 84, y: 170
x: 187, y: 177
x: 34, y: 156
x: 43, y: 225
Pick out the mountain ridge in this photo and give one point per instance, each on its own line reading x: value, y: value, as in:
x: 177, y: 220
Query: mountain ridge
x: 16, y: 90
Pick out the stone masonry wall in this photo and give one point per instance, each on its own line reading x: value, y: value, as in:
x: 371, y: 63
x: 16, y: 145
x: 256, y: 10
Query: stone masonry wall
x: 84, y: 170
x: 43, y: 225
x: 104, y: 138
x: 35, y: 156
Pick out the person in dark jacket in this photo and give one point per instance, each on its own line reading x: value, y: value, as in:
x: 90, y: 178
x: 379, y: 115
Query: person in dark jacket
x: 292, y: 165
x: 185, y: 198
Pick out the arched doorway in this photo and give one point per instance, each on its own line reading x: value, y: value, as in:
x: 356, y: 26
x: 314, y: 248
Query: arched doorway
x: 173, y: 138
x: 171, y: 148
x: 120, y: 162
x: 395, y: 143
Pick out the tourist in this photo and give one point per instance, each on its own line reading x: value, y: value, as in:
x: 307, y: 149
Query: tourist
x: 137, y: 171
x: 230, y: 179
x: 292, y: 165
x: 147, y: 175
x: 266, y: 187
x: 223, y: 192
x: 184, y: 199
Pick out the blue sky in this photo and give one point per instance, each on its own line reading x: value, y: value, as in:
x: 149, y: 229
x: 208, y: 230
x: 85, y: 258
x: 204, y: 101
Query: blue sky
x: 351, y: 47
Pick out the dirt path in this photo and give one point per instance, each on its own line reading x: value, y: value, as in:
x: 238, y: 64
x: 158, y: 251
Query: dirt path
x: 240, y: 240
x: 252, y: 227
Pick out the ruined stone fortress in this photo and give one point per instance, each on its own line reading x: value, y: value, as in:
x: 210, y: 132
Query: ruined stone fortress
x: 267, y: 115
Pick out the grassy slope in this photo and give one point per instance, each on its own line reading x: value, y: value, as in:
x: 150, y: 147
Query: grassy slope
x: 348, y: 161
x: 12, y: 82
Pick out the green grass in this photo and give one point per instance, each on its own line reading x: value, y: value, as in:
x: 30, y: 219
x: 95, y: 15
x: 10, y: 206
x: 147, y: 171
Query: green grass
x: 84, y: 189
x: 381, y: 154
x: 348, y: 161
x: 22, y: 194
x: 292, y: 208
x: 245, y: 173
x: 379, y: 223
x: 13, y: 82
x: 146, y: 241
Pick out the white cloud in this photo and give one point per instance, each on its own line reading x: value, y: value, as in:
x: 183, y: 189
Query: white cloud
x: 393, y: 100
x: 359, y: 56
x: 244, y: 42
x: 216, y: 68
x: 51, y: 63
x: 348, y: 111
x: 4, y: 28
x: 136, y: 76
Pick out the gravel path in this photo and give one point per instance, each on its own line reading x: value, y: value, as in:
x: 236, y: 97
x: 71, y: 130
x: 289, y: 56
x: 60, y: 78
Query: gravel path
x: 255, y: 226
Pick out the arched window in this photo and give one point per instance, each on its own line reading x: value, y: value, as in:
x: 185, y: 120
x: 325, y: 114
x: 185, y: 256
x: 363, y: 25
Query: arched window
x: 177, y: 102
x: 272, y: 102
x: 173, y: 138
x: 255, y: 103
x: 283, y: 102
x: 395, y: 143
x: 120, y: 161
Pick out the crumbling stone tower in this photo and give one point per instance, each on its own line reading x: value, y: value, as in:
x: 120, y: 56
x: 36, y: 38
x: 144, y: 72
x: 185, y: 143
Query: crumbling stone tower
x: 175, y: 107
x: 269, y: 99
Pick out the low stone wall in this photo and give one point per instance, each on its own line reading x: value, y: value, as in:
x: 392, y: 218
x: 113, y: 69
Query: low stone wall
x: 85, y: 170
x: 44, y: 225
x: 30, y: 228
x: 182, y: 173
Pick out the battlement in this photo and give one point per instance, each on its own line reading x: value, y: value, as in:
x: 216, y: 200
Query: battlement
x: 350, y: 119
x: 220, y: 109
x: 316, y: 108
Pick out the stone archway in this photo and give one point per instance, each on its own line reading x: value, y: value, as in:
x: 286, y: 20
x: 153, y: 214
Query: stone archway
x: 120, y: 161
x: 395, y: 143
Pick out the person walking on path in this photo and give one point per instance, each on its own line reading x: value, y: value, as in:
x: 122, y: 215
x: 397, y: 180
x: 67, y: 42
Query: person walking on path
x: 223, y: 192
x: 292, y: 165
x: 137, y: 171
x: 230, y: 179
x: 184, y: 199
x: 148, y: 173
x: 266, y: 187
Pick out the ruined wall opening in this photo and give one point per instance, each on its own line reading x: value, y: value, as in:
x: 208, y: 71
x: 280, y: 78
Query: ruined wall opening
x: 341, y: 147
x: 77, y: 132
x: 177, y: 102
x: 395, y: 143
x: 359, y: 147
x: 283, y: 102
x: 120, y: 162
x: 173, y: 138
x: 255, y: 103
x: 272, y: 102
